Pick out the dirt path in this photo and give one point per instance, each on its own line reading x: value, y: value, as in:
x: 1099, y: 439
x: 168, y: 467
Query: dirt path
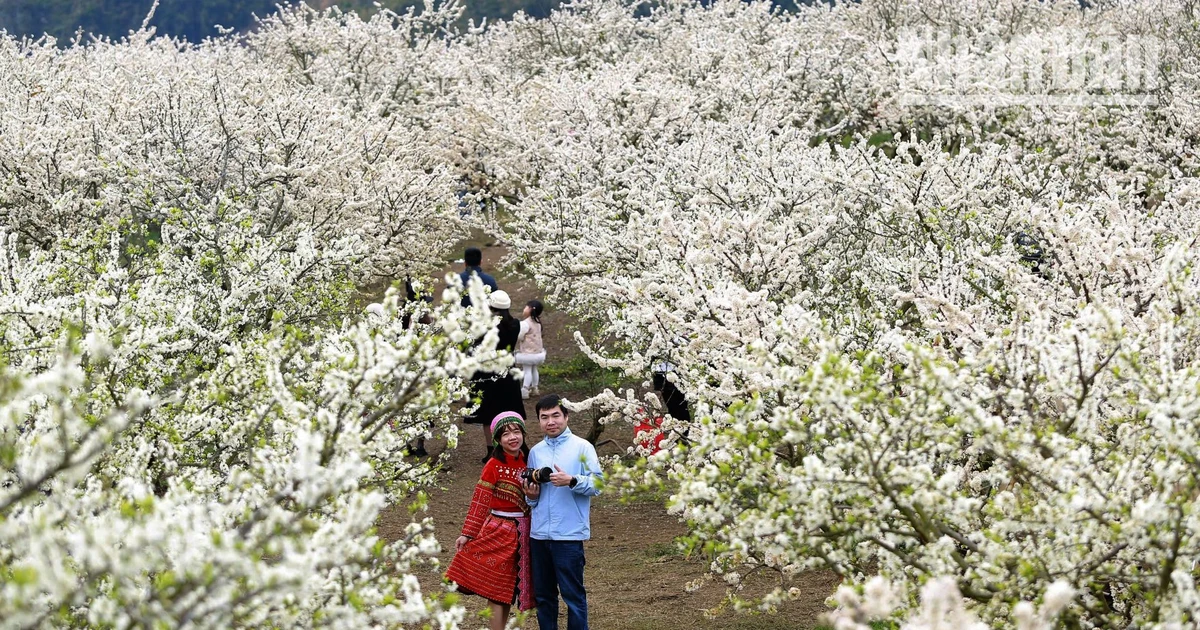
x: 635, y: 577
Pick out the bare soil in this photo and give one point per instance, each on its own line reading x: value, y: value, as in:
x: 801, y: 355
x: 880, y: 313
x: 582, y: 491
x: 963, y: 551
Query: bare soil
x: 635, y: 575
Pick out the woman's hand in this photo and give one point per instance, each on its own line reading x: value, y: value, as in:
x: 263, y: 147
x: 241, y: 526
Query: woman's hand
x: 461, y: 542
x: 532, y: 490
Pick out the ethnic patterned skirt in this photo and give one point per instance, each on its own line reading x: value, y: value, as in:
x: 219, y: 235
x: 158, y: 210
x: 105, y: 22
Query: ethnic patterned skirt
x: 495, y: 564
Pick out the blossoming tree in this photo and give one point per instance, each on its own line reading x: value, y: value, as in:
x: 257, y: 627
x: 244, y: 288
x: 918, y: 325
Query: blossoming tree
x: 200, y: 427
x: 931, y: 336
x: 927, y: 281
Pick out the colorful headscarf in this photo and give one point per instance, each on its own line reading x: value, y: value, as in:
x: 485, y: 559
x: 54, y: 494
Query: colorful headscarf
x: 504, y: 419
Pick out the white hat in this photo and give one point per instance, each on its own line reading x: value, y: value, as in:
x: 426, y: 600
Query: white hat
x: 499, y: 300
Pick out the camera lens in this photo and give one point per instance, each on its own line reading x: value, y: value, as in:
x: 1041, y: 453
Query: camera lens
x: 536, y: 475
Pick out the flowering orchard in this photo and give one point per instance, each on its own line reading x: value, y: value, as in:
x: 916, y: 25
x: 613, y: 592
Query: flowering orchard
x: 199, y: 427
x: 925, y: 272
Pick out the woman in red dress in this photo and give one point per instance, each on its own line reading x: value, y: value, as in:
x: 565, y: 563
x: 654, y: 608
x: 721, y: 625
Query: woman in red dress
x: 492, y: 558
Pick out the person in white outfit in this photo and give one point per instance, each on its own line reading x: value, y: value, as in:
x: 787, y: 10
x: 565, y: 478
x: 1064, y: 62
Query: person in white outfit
x: 530, y: 351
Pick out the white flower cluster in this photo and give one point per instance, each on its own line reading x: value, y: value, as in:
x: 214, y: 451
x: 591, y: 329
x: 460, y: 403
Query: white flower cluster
x: 198, y: 425
x: 946, y: 337
x: 941, y: 607
x: 925, y: 272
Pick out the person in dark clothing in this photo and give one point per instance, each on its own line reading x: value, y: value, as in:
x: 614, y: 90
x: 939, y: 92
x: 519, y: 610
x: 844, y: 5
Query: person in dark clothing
x: 497, y: 393
x: 473, y: 258
x: 675, y: 400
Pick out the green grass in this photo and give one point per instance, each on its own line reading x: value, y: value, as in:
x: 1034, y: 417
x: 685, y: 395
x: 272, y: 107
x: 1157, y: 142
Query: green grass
x: 658, y: 551
x: 580, y: 373
x: 875, y: 625
x: 725, y: 622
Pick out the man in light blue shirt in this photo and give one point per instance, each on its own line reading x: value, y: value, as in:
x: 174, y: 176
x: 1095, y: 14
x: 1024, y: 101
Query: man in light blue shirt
x: 560, y: 518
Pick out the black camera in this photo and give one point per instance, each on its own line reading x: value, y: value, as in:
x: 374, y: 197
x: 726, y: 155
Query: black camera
x: 536, y: 475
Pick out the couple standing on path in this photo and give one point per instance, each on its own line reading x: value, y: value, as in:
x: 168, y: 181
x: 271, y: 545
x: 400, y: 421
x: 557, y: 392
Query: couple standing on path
x: 523, y: 537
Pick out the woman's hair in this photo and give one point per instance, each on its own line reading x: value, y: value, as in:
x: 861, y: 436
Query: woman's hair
x: 498, y: 450
x: 535, y: 310
x: 507, y: 325
x: 506, y: 316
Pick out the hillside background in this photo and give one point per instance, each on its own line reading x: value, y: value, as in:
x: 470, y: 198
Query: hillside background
x: 195, y: 19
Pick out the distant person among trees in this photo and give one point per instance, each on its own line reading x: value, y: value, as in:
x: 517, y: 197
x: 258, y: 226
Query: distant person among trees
x: 531, y: 352
x: 497, y: 393
x: 472, y: 259
x: 492, y: 554
x: 411, y: 296
x: 560, y: 513
x: 677, y: 404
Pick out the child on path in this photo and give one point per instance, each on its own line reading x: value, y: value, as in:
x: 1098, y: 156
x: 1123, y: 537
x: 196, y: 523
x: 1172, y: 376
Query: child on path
x: 492, y: 558
x: 530, y: 351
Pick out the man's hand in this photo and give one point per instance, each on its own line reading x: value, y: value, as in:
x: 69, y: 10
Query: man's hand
x: 560, y: 478
x: 532, y: 490
x: 460, y: 543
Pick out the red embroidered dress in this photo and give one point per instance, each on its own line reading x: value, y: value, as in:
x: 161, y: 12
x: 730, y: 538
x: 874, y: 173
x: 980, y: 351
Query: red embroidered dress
x: 495, y: 562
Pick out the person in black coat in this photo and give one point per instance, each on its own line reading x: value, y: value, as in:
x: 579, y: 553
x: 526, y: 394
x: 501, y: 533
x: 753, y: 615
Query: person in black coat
x: 497, y: 393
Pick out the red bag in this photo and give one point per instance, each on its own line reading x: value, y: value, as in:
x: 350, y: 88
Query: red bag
x: 647, y: 433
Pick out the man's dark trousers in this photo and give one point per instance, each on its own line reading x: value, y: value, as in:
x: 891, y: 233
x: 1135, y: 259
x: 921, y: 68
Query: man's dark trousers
x: 558, y: 567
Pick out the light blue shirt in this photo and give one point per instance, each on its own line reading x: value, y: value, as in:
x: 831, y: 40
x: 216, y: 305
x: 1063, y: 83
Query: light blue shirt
x: 563, y: 513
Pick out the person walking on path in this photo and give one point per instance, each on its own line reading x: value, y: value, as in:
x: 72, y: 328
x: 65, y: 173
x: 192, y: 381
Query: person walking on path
x: 473, y: 258
x: 560, y: 516
x: 492, y: 554
x: 530, y: 351
x: 501, y: 392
